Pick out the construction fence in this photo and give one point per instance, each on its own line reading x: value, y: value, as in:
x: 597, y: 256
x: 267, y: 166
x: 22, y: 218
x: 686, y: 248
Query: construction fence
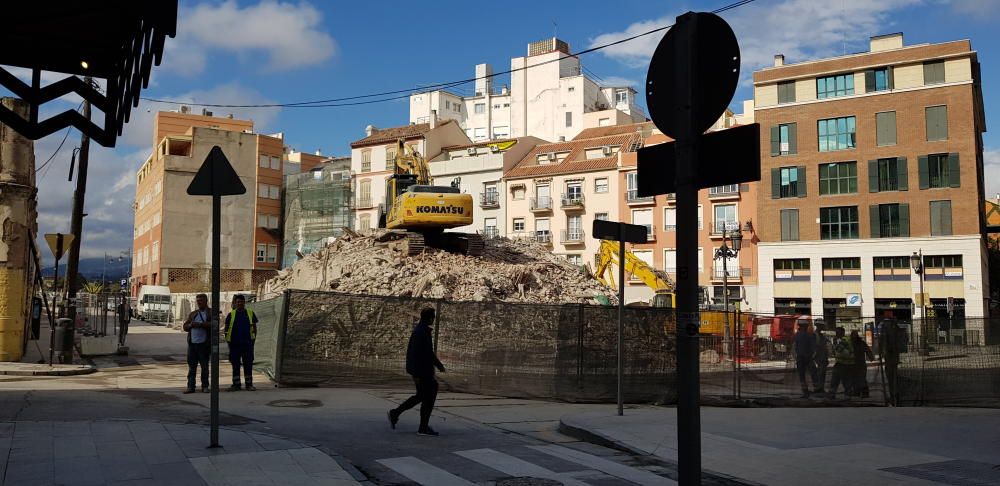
x: 567, y: 352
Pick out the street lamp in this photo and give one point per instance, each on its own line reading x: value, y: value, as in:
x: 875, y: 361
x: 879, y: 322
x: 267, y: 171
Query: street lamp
x: 917, y: 262
x: 724, y: 253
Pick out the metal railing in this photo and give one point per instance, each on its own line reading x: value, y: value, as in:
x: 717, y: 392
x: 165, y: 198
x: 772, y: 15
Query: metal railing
x: 573, y: 200
x: 489, y: 199
x: 632, y: 196
x: 572, y: 236
x: 542, y: 203
x: 542, y: 236
x: 733, y: 272
x: 491, y: 232
x: 726, y: 190
x: 650, y: 233
x: 718, y: 226
x: 889, y: 230
x: 364, y: 202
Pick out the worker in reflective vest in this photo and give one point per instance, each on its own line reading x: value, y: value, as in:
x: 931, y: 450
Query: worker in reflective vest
x: 241, y: 332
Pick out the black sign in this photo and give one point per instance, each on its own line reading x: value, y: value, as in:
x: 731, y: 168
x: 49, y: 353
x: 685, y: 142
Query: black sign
x: 216, y: 177
x: 622, y: 232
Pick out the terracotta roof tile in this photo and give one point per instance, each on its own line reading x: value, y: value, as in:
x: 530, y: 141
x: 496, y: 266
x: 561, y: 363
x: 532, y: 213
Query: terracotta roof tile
x: 576, y: 160
x: 614, y: 130
x: 384, y: 135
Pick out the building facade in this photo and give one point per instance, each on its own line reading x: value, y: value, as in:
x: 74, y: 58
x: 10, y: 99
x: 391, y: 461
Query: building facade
x: 867, y: 159
x: 549, y: 97
x: 478, y: 169
x: 317, y: 207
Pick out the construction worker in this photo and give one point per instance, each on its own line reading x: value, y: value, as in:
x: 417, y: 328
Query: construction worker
x: 862, y: 354
x: 420, y: 364
x: 843, y: 352
x: 241, y: 332
x: 821, y: 360
x: 805, y: 352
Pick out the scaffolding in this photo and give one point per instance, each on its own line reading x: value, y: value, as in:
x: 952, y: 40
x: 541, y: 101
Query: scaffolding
x: 317, y: 209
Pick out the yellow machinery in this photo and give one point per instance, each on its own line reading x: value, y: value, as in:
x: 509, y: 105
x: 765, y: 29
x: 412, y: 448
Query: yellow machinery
x: 417, y: 212
x: 654, y: 279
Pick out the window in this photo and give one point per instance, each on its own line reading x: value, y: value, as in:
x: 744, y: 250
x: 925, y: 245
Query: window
x: 885, y: 128
x: 274, y: 192
x: 838, y: 223
x: 571, y: 89
x: 700, y: 218
x: 838, y: 178
x: 447, y: 103
x: 518, y: 225
x: 943, y: 261
x: 261, y: 252
x: 366, y: 161
x: 365, y: 193
x: 725, y: 218
x: 496, y: 106
x: 575, y: 259
x: 888, y: 174
x: 156, y: 219
x: 601, y: 216
x: 569, y: 119
x: 262, y: 190
x: 601, y: 185
x: 158, y: 187
x: 933, y: 72
x: 574, y: 228
x: 939, y: 170
x: 670, y: 219
x: 891, y: 263
x: 632, y: 186
x: 542, y: 232
x: 890, y: 220
x: 833, y: 86
x: 272, y: 253
x: 621, y: 97
x: 670, y: 260
x: 517, y: 193
x: 604, y: 122
x: 479, y: 133
x: 786, y: 92
x: 276, y: 163
x: 156, y: 251
x: 390, y: 156
x: 644, y: 217
x: 784, y: 139
x: 506, y: 105
x: 842, y: 263
x: 458, y: 107
x: 501, y: 132
x: 878, y: 79
x: 364, y: 222
x: 574, y: 191
x: 791, y: 264
x: 836, y: 134
x: 940, y: 218
x: 788, y: 182
x: 490, y: 227
x: 701, y: 260
x: 937, y: 122
x: 262, y: 220
x: 789, y: 225
x: 264, y: 161
x: 480, y: 108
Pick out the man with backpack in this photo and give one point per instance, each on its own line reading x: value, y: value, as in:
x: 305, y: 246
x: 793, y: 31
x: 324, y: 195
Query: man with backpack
x: 843, y: 352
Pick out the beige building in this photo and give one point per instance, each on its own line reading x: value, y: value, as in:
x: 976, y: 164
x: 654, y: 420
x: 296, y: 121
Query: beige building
x: 372, y: 160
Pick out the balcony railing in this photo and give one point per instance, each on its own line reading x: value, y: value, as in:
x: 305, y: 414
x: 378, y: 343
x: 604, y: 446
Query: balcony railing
x: 724, y: 191
x: 365, y: 202
x: 889, y: 230
x: 728, y: 226
x: 489, y: 200
x: 572, y: 236
x: 542, y: 236
x: 572, y: 200
x: 491, y: 232
x: 541, y: 203
x: 733, y: 271
x: 632, y: 196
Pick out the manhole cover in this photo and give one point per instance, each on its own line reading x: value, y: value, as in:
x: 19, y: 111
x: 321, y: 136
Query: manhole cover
x: 296, y: 403
x: 528, y: 482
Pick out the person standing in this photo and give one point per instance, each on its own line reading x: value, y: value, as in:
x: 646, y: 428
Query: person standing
x: 862, y: 354
x: 241, y: 332
x: 805, y: 352
x: 420, y: 364
x: 891, y: 344
x: 197, y: 326
x: 842, y: 369
x: 821, y: 360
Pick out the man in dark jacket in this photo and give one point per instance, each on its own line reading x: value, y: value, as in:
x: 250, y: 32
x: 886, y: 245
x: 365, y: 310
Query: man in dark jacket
x: 821, y: 359
x: 420, y: 364
x: 862, y: 354
x: 805, y: 351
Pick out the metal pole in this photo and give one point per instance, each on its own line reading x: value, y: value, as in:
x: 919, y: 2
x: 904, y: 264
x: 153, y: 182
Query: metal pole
x: 55, y: 293
x: 216, y: 313
x: 726, y: 334
x: 621, y: 318
x: 923, y: 306
x: 76, y: 224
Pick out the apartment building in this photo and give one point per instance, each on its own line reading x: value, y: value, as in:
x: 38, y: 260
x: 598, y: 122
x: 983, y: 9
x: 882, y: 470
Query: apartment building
x: 171, y: 240
x: 317, y: 206
x: 373, y: 156
x: 478, y: 169
x: 866, y: 159
x: 549, y: 97
x: 557, y: 190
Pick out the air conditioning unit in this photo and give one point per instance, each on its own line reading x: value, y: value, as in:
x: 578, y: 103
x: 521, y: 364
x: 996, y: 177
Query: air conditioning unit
x: 552, y: 156
x: 606, y: 150
x: 185, y: 109
x: 471, y: 150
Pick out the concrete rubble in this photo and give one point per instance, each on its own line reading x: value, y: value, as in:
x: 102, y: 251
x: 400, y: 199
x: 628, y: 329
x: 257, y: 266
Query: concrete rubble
x: 507, y: 271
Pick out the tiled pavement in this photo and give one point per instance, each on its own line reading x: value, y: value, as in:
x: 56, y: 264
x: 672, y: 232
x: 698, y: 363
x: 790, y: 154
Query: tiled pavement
x: 150, y: 453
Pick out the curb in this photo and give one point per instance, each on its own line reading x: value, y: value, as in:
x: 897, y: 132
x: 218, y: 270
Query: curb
x: 51, y: 372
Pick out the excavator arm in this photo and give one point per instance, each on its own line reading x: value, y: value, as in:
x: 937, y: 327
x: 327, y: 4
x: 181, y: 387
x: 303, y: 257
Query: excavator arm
x: 654, y: 279
x: 409, y: 161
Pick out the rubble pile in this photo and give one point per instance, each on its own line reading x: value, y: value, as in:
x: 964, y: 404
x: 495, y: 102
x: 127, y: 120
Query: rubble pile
x: 508, y: 271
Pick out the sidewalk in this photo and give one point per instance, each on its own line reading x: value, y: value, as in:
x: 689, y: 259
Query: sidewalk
x: 832, y: 446
x: 145, y: 452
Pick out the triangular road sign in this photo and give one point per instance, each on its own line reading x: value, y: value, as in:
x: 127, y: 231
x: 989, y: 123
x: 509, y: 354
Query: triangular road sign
x: 58, y: 243
x: 216, y: 177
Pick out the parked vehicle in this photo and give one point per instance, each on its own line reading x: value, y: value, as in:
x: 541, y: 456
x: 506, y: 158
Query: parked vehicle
x: 770, y: 338
x: 153, y: 303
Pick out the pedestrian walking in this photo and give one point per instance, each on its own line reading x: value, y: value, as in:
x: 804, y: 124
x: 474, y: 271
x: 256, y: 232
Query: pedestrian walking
x: 241, y: 332
x: 805, y: 352
x: 891, y: 343
x: 862, y: 354
x: 821, y: 359
x: 198, y: 325
x: 420, y: 364
x: 842, y: 369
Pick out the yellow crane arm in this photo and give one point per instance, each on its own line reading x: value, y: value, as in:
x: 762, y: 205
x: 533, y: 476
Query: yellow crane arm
x: 654, y: 279
x: 409, y: 161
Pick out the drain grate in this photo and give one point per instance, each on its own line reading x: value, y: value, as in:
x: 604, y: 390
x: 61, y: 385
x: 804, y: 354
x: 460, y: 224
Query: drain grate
x: 958, y: 472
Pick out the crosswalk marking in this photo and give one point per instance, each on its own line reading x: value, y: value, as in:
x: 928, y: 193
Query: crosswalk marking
x: 516, y: 467
x: 423, y: 473
x: 637, y: 476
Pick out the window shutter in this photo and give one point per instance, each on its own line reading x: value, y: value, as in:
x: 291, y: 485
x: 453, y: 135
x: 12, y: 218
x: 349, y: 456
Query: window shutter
x: 775, y: 183
x: 885, y: 128
x: 953, y: 170
x: 892, y: 83
x: 775, y: 141
x: 874, y: 221
x: 793, y: 225
x: 902, y: 174
x: 872, y: 176
x: 904, y: 219
x: 869, y: 81
x: 785, y: 226
x: 922, y: 172
x: 936, y: 118
x: 945, y: 217
x: 800, y: 172
x: 793, y: 139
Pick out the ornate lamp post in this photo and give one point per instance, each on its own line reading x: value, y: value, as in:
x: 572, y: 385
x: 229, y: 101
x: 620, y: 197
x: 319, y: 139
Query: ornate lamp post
x: 917, y: 262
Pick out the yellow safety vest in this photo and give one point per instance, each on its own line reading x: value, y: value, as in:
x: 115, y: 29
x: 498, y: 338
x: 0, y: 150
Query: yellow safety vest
x: 231, y: 323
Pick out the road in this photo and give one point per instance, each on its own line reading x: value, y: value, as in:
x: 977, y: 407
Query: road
x: 484, y: 440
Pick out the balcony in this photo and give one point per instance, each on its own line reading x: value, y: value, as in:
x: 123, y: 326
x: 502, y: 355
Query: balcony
x: 572, y: 237
x: 365, y: 202
x: 491, y: 232
x: 572, y: 201
x: 540, y: 204
x: 489, y: 200
x: 719, y: 226
x: 632, y: 197
x: 544, y: 237
x: 724, y: 192
x: 732, y: 273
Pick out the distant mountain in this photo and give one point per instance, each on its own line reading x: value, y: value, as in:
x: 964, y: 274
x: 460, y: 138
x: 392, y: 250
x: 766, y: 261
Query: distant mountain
x: 91, y: 269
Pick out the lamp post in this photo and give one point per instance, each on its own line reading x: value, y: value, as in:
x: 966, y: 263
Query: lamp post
x: 724, y: 253
x: 917, y: 262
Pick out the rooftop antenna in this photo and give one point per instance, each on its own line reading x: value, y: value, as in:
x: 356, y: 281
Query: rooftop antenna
x: 555, y: 29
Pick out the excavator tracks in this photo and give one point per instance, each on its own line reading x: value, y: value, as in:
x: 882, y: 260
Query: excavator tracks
x: 413, y: 243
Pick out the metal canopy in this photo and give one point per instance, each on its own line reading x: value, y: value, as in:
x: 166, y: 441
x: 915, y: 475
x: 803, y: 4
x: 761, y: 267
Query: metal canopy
x: 114, y: 40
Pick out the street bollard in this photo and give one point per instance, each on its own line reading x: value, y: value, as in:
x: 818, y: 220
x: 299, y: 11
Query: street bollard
x: 64, y: 340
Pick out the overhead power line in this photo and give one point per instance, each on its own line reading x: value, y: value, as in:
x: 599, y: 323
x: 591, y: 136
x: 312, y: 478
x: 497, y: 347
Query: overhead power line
x: 384, y: 96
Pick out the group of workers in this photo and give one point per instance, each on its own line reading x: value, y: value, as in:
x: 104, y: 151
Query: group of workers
x: 851, y: 355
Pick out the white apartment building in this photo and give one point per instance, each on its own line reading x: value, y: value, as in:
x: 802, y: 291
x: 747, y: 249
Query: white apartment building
x: 372, y: 161
x: 549, y: 97
x: 477, y: 169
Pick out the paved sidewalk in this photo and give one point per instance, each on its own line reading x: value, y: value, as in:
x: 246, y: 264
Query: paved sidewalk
x: 150, y: 453
x: 37, y: 369
x: 832, y: 446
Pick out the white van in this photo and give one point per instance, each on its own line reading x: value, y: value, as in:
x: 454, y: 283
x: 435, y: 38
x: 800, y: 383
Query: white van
x: 153, y: 303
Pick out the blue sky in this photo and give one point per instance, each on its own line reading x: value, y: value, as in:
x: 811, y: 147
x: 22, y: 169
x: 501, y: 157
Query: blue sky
x: 261, y: 51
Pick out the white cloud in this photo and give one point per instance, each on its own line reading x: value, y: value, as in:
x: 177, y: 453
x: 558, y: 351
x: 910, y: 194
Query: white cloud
x: 799, y: 29
x: 616, y: 81
x: 274, y: 35
x: 991, y: 169
x: 977, y: 9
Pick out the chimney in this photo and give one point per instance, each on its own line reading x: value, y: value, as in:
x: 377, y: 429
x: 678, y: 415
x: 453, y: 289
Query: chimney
x: 779, y: 60
x: 886, y: 42
x: 433, y: 120
x: 369, y: 130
